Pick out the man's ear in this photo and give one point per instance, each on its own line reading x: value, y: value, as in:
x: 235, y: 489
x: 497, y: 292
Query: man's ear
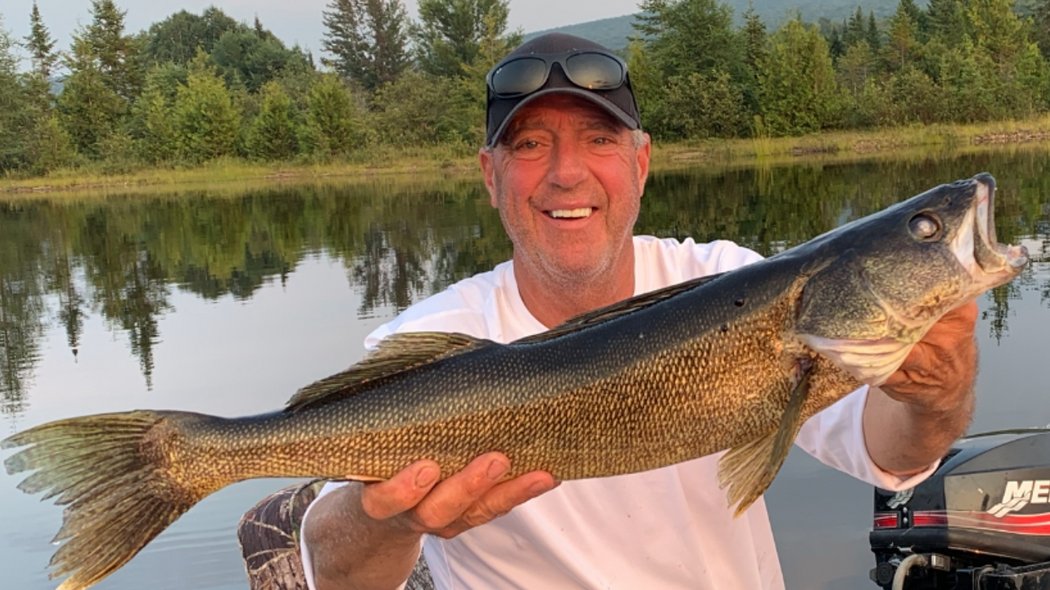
x: 643, y: 156
x: 486, y: 158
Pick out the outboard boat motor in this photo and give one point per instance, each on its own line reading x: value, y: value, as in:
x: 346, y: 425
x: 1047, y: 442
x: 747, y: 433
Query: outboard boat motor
x: 980, y: 522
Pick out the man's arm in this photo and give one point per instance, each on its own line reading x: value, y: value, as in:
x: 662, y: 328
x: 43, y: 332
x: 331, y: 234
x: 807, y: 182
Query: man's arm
x: 912, y: 419
x: 365, y: 536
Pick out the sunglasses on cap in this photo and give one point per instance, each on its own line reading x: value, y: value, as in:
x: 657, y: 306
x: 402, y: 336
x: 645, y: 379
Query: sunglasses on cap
x: 591, y: 70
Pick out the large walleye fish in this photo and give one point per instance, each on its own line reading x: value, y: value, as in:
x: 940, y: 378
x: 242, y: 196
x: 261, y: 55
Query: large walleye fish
x: 735, y: 361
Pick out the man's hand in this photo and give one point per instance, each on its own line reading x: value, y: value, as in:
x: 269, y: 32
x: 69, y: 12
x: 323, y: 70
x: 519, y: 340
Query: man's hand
x: 940, y: 370
x: 472, y: 497
x: 367, y: 535
x: 913, y: 418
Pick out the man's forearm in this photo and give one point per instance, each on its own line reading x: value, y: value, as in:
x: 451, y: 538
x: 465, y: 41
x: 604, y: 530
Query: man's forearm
x: 905, y: 438
x: 347, y: 553
x: 919, y: 411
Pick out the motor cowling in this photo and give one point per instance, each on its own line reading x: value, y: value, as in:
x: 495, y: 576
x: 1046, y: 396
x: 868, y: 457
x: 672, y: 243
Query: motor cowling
x: 981, y: 521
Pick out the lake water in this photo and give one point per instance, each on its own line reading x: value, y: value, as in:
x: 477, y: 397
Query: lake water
x: 227, y: 303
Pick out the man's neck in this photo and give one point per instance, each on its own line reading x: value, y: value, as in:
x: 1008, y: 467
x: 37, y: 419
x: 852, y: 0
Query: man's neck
x: 553, y: 302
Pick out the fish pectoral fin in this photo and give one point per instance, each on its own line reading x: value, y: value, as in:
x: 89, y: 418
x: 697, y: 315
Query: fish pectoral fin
x: 748, y: 470
x: 395, y: 354
x: 622, y: 308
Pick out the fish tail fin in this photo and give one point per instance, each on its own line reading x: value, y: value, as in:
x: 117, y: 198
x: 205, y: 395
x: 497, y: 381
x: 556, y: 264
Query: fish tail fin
x: 112, y: 472
x: 748, y: 469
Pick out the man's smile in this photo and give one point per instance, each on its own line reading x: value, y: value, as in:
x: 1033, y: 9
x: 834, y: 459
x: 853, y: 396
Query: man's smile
x: 578, y: 213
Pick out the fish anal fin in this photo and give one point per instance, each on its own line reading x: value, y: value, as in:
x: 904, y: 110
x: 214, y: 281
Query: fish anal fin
x: 395, y: 354
x: 748, y: 470
x: 362, y: 478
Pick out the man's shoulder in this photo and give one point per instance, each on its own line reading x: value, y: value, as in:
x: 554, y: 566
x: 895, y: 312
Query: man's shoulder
x: 461, y: 307
x: 685, y: 259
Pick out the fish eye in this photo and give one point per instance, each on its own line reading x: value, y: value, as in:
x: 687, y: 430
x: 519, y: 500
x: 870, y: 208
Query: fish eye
x: 924, y: 227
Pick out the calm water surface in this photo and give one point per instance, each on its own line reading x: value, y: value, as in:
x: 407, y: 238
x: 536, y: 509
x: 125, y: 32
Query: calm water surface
x: 227, y: 304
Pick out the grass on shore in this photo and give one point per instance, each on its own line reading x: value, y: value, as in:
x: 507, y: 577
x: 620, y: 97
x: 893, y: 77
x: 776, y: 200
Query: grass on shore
x: 453, y: 162
x: 842, y: 146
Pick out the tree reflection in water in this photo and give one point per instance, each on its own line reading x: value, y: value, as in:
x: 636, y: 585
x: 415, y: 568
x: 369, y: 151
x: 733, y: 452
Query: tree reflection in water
x: 120, y: 258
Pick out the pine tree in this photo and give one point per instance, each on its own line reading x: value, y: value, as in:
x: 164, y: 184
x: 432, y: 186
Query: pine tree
x: 368, y: 40
x: 916, y: 16
x: 902, y: 45
x: 756, y: 42
x: 13, y: 108
x: 105, y: 77
x: 874, y: 37
x: 451, y: 33
x: 38, y: 81
x: 47, y: 146
x: 89, y: 107
x: 272, y: 134
x: 855, y: 28
x: 755, y: 39
x: 332, y: 125
x: 690, y: 36
x: 798, y: 81
x: 206, y: 119
x: 152, y: 124
x: 1041, y: 26
x: 40, y: 45
x: 115, y: 53
x: 947, y: 21
x: 998, y: 30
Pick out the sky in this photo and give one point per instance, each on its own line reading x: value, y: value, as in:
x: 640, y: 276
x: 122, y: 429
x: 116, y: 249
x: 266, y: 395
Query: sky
x: 294, y: 22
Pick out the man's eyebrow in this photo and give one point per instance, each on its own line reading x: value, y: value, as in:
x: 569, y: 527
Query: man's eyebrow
x: 602, y: 124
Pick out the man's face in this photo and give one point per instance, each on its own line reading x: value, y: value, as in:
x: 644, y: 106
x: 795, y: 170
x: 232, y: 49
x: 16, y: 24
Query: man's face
x: 568, y: 180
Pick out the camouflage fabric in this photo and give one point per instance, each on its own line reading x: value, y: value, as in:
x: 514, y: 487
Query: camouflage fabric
x: 269, y: 538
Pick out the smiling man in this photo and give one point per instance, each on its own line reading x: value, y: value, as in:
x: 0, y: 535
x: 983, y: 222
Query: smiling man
x: 558, y: 179
x: 565, y: 162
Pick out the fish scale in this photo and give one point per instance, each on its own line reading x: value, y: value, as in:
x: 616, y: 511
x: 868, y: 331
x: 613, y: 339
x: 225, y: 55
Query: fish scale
x: 733, y: 362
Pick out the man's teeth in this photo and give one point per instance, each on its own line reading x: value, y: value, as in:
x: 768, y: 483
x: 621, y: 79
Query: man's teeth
x: 571, y: 213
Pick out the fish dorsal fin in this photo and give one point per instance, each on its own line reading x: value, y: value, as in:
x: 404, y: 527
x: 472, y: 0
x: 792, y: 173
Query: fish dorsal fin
x: 396, y: 353
x: 622, y: 308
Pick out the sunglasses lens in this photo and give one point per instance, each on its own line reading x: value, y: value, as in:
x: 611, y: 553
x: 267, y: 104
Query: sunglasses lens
x: 594, y: 71
x: 518, y: 77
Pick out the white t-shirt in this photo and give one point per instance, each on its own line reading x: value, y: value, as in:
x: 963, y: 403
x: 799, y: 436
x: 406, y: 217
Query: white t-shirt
x: 665, y: 528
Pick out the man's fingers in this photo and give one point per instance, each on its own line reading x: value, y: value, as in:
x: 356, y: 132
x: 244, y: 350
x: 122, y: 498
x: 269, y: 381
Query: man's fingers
x: 401, y: 493
x: 940, y: 368
x: 447, y: 502
x: 956, y: 324
x: 505, y: 496
x: 966, y: 314
x: 477, y: 494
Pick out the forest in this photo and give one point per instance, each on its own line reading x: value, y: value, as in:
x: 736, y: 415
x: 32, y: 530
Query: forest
x: 199, y: 87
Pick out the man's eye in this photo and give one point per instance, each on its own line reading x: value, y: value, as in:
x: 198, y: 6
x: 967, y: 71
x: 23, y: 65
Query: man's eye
x: 527, y: 144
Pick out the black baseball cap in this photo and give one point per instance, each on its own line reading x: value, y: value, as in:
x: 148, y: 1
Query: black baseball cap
x: 618, y: 101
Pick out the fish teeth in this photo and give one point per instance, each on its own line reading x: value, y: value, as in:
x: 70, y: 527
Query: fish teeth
x: 571, y: 213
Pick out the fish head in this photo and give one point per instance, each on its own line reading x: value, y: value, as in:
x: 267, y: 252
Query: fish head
x: 878, y: 284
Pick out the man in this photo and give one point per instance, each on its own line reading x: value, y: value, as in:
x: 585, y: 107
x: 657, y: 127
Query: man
x: 565, y: 162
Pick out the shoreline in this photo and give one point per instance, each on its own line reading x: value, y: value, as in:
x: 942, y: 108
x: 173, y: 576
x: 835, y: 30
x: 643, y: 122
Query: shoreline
x: 428, y: 163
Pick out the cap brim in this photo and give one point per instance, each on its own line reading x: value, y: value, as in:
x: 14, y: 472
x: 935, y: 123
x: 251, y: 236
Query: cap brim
x: 600, y: 101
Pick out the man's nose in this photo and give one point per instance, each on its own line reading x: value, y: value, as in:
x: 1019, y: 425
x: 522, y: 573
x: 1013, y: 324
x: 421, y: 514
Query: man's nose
x: 567, y: 166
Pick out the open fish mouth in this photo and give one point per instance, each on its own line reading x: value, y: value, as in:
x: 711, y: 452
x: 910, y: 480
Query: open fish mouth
x: 989, y: 260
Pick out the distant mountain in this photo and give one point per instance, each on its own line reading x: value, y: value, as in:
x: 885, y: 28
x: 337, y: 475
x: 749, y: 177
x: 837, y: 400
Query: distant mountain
x: 610, y: 32
x: 614, y: 32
